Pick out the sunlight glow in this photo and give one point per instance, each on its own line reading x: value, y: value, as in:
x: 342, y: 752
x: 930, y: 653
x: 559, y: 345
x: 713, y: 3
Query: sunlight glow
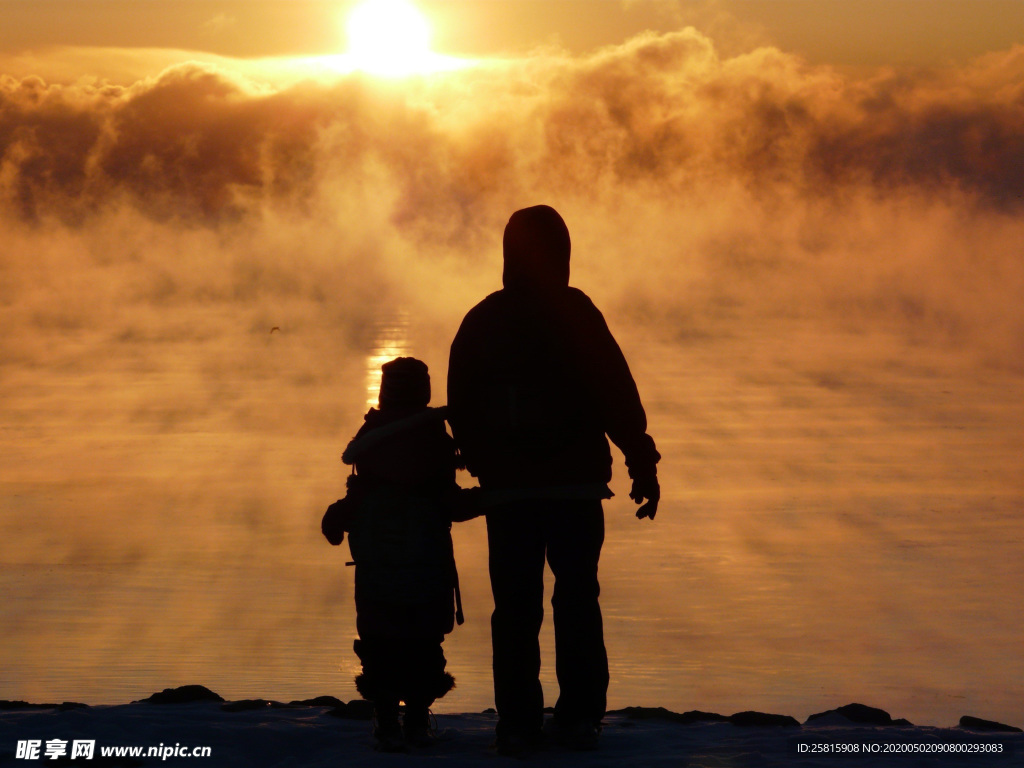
x: 391, y: 340
x: 391, y: 38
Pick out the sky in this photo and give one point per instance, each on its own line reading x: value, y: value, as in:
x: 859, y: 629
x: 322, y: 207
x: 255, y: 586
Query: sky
x: 832, y: 31
x: 802, y: 203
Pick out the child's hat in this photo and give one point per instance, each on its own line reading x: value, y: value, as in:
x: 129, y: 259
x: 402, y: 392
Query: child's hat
x: 404, y: 383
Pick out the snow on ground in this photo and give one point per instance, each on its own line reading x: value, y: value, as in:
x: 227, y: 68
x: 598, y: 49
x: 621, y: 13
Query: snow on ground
x: 313, y: 736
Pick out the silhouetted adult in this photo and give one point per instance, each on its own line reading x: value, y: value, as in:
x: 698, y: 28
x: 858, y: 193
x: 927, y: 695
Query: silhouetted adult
x: 535, y: 383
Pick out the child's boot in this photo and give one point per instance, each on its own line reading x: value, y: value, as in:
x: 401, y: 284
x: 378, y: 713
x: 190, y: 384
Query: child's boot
x: 416, y: 725
x: 386, y: 729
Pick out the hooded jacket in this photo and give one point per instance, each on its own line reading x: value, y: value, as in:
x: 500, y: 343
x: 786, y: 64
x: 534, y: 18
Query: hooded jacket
x: 535, y: 379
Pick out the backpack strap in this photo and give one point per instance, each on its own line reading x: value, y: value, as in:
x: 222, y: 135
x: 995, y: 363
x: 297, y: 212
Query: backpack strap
x: 460, y: 617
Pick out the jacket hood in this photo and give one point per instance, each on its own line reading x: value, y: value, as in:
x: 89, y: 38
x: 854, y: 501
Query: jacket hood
x: 536, y: 247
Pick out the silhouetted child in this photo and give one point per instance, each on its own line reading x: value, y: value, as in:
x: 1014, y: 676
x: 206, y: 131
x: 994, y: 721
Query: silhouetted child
x: 401, y: 500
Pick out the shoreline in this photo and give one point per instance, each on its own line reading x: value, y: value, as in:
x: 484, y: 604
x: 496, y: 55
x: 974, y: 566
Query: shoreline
x: 359, y: 709
x: 324, y: 731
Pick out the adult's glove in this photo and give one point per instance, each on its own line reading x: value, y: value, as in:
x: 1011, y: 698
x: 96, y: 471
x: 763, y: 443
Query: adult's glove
x: 646, y: 488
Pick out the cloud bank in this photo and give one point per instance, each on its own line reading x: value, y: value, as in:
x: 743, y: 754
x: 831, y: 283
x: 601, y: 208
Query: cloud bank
x: 197, y: 140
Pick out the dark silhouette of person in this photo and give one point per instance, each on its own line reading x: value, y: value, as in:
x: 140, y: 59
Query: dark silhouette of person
x: 398, y: 512
x: 536, y: 386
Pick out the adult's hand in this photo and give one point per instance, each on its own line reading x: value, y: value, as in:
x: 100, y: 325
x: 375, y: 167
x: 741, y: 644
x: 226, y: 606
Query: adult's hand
x: 646, y: 488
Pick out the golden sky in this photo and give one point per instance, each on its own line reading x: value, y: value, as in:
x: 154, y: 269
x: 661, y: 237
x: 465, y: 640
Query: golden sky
x: 824, y: 31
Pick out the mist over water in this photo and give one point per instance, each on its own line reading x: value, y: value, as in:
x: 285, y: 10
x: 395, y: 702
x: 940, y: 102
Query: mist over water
x: 814, y: 276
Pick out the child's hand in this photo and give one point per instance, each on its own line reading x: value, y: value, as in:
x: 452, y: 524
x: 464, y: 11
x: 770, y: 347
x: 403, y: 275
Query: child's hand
x: 465, y: 505
x: 332, y: 526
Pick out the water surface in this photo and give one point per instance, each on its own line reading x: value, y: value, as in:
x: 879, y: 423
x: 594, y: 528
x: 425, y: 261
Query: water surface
x: 839, y: 526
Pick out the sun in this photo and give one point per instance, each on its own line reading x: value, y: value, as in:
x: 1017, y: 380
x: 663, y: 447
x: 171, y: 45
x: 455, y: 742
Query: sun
x: 389, y: 38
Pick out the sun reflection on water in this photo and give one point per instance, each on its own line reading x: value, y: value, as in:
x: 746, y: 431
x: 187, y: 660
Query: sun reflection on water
x: 390, y: 340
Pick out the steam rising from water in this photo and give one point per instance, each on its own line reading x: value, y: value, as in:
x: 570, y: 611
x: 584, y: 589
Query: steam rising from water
x: 756, y: 182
